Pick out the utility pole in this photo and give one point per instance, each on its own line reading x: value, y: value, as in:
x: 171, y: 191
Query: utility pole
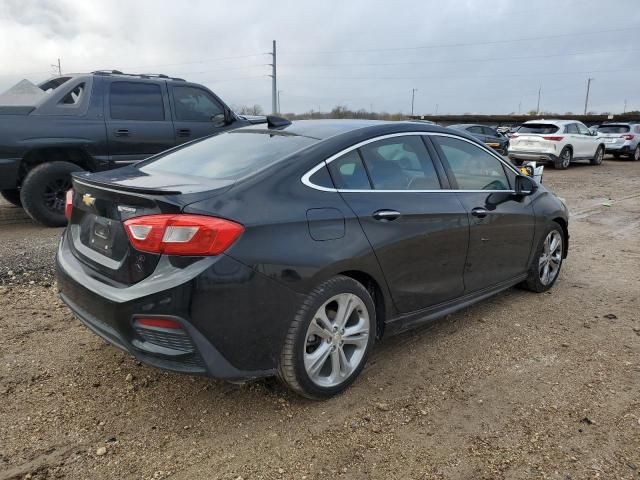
x: 519, y: 107
x: 58, y: 67
x: 437, y: 109
x: 274, y: 84
x: 413, y: 96
x: 624, y: 110
x: 586, y: 99
x: 279, y: 92
x: 538, y: 107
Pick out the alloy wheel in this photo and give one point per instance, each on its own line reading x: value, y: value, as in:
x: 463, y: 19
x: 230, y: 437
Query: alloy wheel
x: 550, y: 258
x: 54, y: 194
x: 636, y: 153
x: 336, y: 340
x: 566, y: 159
x: 599, y: 156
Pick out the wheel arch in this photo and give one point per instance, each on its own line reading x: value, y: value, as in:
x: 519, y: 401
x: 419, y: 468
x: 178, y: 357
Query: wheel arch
x: 39, y: 155
x: 375, y: 290
x: 565, y: 233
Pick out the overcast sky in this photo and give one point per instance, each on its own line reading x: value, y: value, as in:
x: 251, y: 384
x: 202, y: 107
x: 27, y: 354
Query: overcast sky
x: 463, y: 56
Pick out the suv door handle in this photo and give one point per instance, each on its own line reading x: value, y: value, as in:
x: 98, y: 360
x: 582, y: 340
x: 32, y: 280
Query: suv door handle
x: 122, y: 132
x: 479, y: 212
x: 386, y: 215
x: 184, y: 132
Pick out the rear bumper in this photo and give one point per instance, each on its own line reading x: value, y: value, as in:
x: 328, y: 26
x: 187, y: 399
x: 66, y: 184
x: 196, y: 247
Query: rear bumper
x: 623, y: 149
x: 533, y: 156
x: 9, y: 173
x: 225, y: 332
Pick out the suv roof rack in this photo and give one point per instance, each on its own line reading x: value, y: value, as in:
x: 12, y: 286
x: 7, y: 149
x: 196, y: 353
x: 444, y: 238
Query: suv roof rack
x: 137, y: 75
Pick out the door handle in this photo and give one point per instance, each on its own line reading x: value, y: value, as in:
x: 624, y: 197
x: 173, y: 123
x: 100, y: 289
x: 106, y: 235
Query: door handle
x: 479, y: 212
x: 386, y: 215
x: 184, y: 132
x: 122, y: 132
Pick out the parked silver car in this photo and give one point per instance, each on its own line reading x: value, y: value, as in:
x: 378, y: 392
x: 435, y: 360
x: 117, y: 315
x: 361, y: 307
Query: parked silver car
x: 621, y: 139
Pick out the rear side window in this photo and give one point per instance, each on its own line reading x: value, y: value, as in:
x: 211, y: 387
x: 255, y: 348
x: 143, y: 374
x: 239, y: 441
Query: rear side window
x: 74, y: 96
x: 194, y: 104
x: 571, y: 128
x: 229, y: 155
x: 472, y: 167
x: 614, y: 129
x: 540, y: 128
x: 348, y: 172
x: 136, y: 101
x: 400, y: 163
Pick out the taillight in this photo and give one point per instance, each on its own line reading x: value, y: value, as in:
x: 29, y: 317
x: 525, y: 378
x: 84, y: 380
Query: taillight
x: 182, y: 234
x: 553, y: 138
x: 68, y: 204
x: 628, y: 137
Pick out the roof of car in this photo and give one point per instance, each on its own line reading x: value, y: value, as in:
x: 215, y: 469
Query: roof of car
x: 322, y: 129
x: 552, y: 121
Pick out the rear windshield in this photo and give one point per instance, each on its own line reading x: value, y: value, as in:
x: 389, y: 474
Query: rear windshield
x: 614, y: 129
x: 230, y: 155
x: 542, y: 128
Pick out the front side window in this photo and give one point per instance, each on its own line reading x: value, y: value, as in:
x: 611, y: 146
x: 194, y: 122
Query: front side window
x: 348, y: 172
x: 475, y: 129
x: 572, y: 129
x: 472, y: 167
x: 489, y: 132
x: 582, y: 130
x: 136, y: 101
x: 400, y: 163
x: 195, y: 105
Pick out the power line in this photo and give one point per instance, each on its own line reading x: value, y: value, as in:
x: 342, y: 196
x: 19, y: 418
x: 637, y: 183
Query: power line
x: 466, y: 44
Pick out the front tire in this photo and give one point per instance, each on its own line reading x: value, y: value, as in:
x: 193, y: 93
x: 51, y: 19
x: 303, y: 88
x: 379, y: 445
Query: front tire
x: 564, y: 160
x: 598, y: 157
x: 329, y: 339
x: 12, y: 196
x: 546, y: 265
x: 43, y: 192
x: 635, y: 155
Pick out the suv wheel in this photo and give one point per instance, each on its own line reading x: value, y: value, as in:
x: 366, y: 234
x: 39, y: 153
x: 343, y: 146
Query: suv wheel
x: 43, y: 192
x: 563, y: 161
x: 635, y: 155
x: 12, y: 196
x: 329, y: 339
x: 598, y: 157
x: 547, y: 262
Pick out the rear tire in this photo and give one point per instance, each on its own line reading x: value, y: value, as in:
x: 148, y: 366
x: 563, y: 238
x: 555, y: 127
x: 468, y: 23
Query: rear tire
x: 324, y: 351
x: 12, y: 196
x: 635, y: 155
x: 43, y: 192
x: 598, y: 157
x: 546, y: 265
x: 564, y: 160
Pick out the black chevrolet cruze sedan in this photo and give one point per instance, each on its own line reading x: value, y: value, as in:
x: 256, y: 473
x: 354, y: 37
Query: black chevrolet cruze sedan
x: 288, y: 248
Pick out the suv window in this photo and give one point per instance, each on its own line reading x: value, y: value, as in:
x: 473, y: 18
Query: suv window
x: 540, y: 128
x: 582, y: 130
x: 489, y: 132
x: 74, y: 96
x: 614, y: 129
x: 136, y: 101
x: 348, y: 172
x: 474, y: 129
x: 195, y: 105
x: 571, y: 128
x: 400, y: 163
x: 472, y: 167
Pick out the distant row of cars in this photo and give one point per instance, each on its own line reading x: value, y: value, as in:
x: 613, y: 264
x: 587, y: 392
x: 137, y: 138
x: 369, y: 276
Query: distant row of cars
x: 559, y: 142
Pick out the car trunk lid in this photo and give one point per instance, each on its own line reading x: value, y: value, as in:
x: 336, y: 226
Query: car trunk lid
x: 103, y: 202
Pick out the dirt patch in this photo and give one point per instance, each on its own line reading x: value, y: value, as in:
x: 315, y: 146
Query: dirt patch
x: 519, y: 386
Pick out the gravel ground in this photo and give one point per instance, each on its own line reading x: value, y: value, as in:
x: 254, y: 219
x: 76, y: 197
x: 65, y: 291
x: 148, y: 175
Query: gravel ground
x: 519, y: 386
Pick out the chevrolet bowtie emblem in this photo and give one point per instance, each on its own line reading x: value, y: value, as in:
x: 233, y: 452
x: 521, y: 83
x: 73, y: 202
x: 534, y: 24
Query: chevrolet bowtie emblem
x: 88, y: 200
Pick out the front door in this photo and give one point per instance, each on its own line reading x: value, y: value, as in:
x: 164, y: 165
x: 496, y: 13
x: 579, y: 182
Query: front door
x: 418, y: 231
x: 197, y: 113
x: 501, y: 224
x: 138, y: 120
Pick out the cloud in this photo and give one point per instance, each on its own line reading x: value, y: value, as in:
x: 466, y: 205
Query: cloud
x: 363, y: 54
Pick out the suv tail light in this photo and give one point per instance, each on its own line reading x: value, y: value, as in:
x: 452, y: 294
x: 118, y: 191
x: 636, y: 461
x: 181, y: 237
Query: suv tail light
x: 182, y: 234
x: 628, y: 137
x: 553, y: 138
x: 68, y: 204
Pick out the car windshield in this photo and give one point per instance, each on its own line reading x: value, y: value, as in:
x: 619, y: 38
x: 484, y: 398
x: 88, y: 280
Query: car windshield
x: 614, y: 129
x: 230, y: 155
x: 541, y: 128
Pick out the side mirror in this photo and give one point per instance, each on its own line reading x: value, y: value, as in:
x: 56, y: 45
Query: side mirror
x: 594, y: 133
x: 525, y: 185
x: 219, y: 120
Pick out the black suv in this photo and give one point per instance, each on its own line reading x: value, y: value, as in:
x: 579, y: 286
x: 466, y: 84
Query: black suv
x: 95, y: 121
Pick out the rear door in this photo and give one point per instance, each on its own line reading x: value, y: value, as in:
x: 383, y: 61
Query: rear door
x: 196, y: 112
x: 418, y: 231
x: 138, y: 119
x: 501, y: 224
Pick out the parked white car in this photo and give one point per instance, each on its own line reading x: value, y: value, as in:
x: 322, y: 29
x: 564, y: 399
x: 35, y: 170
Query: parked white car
x: 559, y: 142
